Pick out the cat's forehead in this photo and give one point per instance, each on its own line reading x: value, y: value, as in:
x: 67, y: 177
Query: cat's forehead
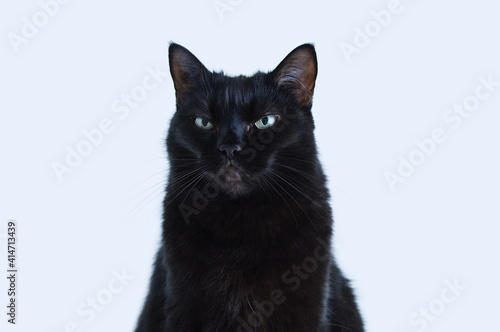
x: 238, y: 88
x: 238, y: 93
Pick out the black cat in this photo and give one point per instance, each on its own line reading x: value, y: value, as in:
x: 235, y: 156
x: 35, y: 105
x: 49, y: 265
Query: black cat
x: 247, y: 225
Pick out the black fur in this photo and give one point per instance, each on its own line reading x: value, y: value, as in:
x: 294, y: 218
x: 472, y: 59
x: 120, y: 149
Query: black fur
x: 247, y: 225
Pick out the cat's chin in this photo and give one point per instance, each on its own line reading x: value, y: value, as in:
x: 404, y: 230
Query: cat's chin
x: 232, y: 181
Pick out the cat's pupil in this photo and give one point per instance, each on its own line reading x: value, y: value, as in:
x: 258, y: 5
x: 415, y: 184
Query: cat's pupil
x: 265, y: 120
x: 204, y: 122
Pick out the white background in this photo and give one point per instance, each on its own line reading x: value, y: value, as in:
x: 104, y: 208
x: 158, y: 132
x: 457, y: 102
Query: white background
x: 398, y: 246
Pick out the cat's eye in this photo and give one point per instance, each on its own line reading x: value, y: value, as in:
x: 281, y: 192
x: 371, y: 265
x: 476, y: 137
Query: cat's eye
x: 266, y: 122
x: 202, y: 123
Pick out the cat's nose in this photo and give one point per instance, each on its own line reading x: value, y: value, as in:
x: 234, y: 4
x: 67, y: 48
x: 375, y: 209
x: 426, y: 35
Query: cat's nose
x: 229, y: 149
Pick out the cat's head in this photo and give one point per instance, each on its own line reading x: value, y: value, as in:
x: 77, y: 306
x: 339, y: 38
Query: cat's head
x: 241, y: 132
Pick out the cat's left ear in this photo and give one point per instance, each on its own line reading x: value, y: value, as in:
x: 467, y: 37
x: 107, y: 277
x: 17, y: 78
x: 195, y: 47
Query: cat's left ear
x: 298, y: 72
x: 185, y: 68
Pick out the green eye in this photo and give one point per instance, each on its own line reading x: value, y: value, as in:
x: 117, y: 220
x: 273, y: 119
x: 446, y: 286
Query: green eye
x: 203, y: 124
x: 266, y: 122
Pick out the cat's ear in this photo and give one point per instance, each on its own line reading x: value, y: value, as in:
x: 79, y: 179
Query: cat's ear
x: 298, y: 72
x: 185, y: 68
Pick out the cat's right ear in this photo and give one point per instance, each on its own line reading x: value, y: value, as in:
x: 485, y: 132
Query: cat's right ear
x: 185, y: 68
x: 298, y: 72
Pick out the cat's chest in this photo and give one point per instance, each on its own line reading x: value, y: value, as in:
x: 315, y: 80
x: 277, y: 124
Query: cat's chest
x: 249, y: 219
x: 243, y: 293
x: 238, y: 261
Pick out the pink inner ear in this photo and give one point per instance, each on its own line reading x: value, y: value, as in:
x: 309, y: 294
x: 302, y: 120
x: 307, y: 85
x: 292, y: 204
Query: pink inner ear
x: 298, y: 71
x: 185, y: 68
x: 180, y: 75
x: 308, y: 79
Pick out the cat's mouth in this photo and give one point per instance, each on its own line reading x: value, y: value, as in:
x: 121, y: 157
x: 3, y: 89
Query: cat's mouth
x: 232, y: 178
x: 233, y: 174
